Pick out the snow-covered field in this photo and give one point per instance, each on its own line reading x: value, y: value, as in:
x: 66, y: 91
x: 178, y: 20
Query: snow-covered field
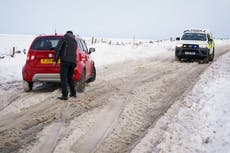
x: 119, y: 51
x: 20, y: 42
x: 198, y: 122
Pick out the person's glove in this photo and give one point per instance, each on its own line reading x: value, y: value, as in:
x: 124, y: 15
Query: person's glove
x: 54, y: 63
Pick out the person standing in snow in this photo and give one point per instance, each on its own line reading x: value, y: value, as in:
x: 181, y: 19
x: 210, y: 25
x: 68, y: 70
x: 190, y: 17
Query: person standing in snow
x: 66, y: 51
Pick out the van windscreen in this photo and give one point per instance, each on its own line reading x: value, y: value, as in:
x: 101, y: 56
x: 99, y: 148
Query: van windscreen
x: 194, y: 36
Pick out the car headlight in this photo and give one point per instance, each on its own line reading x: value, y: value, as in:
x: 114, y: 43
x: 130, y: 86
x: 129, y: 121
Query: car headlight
x: 203, y: 46
x: 179, y: 45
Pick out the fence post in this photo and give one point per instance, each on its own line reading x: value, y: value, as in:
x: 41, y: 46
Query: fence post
x: 12, y: 55
x: 92, y: 40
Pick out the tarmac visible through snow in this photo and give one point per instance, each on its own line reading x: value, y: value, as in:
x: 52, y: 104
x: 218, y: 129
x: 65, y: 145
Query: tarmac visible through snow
x: 111, y: 116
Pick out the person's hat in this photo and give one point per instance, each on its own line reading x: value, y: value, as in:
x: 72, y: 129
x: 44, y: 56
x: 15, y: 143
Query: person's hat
x: 70, y: 32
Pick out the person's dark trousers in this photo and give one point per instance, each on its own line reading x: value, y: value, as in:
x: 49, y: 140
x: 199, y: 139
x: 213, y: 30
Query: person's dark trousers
x: 66, y: 74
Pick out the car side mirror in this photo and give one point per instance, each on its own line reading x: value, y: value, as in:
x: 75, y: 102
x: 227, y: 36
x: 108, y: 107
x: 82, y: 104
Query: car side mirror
x: 177, y: 38
x: 91, y: 50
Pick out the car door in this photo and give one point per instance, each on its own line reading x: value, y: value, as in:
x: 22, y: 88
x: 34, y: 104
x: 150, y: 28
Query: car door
x: 87, y: 58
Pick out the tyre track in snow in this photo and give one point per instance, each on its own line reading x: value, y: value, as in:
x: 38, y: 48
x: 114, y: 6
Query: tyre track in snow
x: 96, y: 135
x: 106, y: 90
x: 11, y: 92
x: 150, y: 99
x: 26, y: 123
x: 87, y: 145
x: 92, y: 141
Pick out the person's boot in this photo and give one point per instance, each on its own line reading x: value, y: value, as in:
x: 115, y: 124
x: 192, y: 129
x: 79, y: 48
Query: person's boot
x: 63, y: 98
x: 73, y: 95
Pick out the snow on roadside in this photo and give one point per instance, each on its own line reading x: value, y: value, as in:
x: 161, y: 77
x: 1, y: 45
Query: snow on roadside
x: 11, y: 68
x: 200, y: 123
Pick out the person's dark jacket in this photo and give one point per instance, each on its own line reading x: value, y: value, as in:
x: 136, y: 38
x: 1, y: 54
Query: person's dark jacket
x: 66, y: 49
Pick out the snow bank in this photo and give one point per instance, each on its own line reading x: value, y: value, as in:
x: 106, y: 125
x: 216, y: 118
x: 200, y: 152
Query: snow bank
x: 200, y: 123
x: 11, y: 68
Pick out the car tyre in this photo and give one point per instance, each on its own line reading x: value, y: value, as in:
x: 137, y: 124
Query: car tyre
x: 81, y: 83
x: 27, y: 86
x: 93, y: 75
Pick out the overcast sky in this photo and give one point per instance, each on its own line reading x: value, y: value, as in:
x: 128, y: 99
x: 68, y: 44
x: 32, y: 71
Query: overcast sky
x: 154, y: 19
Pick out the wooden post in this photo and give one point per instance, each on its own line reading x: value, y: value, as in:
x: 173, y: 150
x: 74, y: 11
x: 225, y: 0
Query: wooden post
x: 92, y: 40
x: 12, y: 55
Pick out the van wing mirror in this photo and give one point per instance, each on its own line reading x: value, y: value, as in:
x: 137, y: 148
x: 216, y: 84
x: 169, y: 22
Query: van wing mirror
x: 177, y: 38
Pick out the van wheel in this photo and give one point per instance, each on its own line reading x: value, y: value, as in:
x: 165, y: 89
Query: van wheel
x: 207, y: 59
x: 27, y: 86
x: 212, y: 55
x: 81, y: 83
x: 93, y: 75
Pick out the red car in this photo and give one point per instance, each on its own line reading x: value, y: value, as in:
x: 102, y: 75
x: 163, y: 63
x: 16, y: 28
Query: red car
x: 39, y: 63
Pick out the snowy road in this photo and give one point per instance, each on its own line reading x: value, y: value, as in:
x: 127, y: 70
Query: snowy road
x: 111, y: 116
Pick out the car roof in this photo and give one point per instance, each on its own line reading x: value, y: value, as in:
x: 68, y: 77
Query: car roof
x: 55, y: 35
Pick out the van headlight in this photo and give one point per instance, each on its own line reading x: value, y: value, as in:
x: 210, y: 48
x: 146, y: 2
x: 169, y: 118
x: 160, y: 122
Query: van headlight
x: 179, y: 45
x: 203, y: 46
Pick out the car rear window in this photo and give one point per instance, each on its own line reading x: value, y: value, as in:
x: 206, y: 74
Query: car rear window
x: 194, y: 36
x: 45, y: 43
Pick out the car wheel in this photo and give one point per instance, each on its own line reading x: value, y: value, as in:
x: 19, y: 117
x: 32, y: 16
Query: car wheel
x: 81, y: 83
x: 93, y: 75
x: 27, y: 86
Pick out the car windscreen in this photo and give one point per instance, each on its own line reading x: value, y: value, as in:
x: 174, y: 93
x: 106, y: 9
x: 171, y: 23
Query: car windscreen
x: 45, y: 43
x: 194, y: 36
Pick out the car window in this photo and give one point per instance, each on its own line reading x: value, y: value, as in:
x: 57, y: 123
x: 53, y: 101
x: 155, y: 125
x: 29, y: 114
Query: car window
x: 79, y: 44
x: 194, y: 36
x: 45, y: 43
x: 85, y: 49
x: 85, y: 46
